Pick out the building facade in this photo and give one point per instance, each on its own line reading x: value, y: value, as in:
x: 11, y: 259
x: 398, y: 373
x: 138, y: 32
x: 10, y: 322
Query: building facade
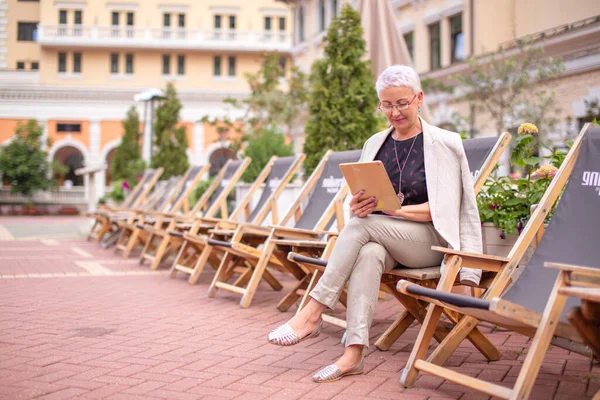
x: 76, y: 65
x: 442, y: 34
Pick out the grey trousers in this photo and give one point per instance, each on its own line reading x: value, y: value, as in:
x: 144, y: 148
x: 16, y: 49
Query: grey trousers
x: 365, y: 249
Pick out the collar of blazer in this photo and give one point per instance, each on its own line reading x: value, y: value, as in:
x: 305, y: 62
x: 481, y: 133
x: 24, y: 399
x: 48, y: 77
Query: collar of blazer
x: 429, y: 152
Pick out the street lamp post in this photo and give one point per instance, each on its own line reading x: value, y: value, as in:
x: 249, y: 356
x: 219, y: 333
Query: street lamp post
x: 149, y: 96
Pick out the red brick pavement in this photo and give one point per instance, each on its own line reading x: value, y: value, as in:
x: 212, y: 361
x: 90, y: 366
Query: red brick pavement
x: 147, y: 336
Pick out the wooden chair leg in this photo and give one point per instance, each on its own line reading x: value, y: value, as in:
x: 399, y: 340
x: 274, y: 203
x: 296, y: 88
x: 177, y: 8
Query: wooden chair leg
x: 244, y: 278
x: 271, y: 280
x: 160, y: 252
x: 478, y: 339
x: 200, y: 263
x: 258, y: 273
x: 541, y: 340
x: 91, y: 234
x: 133, y: 240
x: 293, y: 296
x: 389, y: 337
x: 104, y: 228
x: 147, y: 247
x: 410, y: 373
x: 311, y: 284
x: 123, y: 237
x: 220, y: 274
x: 588, y: 329
x: 180, y: 256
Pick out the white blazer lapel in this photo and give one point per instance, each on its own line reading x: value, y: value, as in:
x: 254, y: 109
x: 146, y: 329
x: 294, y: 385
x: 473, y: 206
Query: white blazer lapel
x: 375, y: 144
x: 431, y: 165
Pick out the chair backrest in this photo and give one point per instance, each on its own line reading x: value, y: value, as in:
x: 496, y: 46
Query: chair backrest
x: 186, y: 186
x: 161, y: 199
x: 137, y: 190
x: 573, y: 232
x: 148, y: 181
x: 216, y: 195
x: 281, y: 173
x: 327, y: 183
x: 483, y: 155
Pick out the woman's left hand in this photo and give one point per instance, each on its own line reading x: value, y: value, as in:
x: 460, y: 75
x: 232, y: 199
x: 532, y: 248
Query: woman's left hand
x: 393, y: 213
x: 417, y: 212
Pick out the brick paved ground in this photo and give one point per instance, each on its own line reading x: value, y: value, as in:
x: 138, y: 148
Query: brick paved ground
x: 77, y: 321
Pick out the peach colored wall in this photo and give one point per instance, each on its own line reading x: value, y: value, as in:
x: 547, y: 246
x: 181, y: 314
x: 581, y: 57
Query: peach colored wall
x: 148, y: 13
x: 110, y: 131
x: 211, y: 136
x: 83, y: 137
x: 189, y: 133
x: 19, y: 11
x: 538, y: 15
x: 95, y: 70
x: 8, y: 127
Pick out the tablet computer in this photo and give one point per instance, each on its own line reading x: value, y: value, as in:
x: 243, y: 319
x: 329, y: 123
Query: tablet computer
x: 371, y: 177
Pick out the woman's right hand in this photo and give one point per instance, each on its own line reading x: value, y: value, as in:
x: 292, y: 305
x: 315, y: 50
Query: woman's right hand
x: 362, y: 208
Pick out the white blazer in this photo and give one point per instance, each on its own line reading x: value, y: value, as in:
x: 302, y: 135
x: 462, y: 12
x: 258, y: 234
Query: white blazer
x: 449, y: 184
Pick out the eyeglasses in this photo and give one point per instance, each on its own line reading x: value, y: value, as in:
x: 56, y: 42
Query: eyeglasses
x: 400, y: 107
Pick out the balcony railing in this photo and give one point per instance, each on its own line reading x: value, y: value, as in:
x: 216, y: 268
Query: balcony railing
x: 168, y: 38
x: 74, y: 195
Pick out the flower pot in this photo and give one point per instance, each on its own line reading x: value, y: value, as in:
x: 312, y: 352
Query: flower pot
x: 494, y: 245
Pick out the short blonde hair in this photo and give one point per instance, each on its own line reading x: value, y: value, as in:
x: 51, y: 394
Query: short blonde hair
x: 399, y: 76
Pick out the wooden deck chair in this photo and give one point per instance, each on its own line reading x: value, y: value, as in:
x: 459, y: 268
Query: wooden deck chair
x: 131, y: 234
x: 159, y: 243
x: 252, y: 250
x: 483, y: 155
x: 135, y: 199
x: 194, y: 253
x: 520, y: 308
x: 157, y: 200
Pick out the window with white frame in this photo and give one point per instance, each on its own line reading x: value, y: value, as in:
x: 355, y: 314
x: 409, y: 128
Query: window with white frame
x: 457, y: 39
x: 114, y: 63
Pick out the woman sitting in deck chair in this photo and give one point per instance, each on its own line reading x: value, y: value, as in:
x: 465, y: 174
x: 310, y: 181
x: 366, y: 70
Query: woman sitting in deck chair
x: 429, y: 170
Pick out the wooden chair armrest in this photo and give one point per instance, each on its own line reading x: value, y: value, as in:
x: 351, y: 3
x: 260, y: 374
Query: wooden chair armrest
x: 284, y: 231
x: 573, y: 268
x: 183, y: 218
x: 465, y: 254
x: 160, y: 214
x: 210, y: 220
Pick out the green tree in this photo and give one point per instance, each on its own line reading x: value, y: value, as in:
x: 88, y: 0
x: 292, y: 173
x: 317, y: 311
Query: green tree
x: 272, y: 108
x: 513, y: 87
x: 342, y: 100
x: 23, y: 161
x: 261, y: 147
x: 170, y: 139
x: 592, y: 110
x: 127, y: 164
x: 270, y: 103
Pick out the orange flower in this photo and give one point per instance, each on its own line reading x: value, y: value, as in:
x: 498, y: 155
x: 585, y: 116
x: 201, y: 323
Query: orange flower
x: 547, y: 171
x: 527, y: 129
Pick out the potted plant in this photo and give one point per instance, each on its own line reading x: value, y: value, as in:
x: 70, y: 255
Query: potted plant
x: 505, y: 203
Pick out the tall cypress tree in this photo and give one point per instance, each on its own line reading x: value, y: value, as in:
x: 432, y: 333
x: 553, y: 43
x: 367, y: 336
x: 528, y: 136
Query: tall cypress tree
x: 127, y: 163
x: 343, y: 99
x: 169, y: 138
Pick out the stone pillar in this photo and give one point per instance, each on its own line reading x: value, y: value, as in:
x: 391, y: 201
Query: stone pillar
x: 200, y: 156
x: 43, y: 123
x: 95, y: 158
x: 446, y: 43
x: 146, y: 143
x: 92, y: 199
x: 95, y: 139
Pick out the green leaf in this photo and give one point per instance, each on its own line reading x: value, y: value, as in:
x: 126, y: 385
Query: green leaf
x: 514, y: 201
x: 531, y: 160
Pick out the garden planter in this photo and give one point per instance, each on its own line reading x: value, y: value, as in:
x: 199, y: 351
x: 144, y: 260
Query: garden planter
x: 494, y: 245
